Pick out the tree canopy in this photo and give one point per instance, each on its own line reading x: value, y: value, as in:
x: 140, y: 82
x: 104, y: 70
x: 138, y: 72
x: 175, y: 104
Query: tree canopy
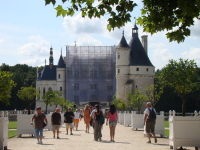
x: 29, y: 95
x: 175, y: 16
x: 6, y: 85
x: 182, y: 77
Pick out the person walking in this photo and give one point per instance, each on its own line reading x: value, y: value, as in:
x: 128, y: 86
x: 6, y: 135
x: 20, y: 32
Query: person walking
x: 112, y: 117
x: 56, y: 122
x: 87, y: 118
x: 98, y: 125
x: 92, y: 116
x: 77, y: 117
x: 150, y: 121
x: 37, y: 121
x: 69, y: 116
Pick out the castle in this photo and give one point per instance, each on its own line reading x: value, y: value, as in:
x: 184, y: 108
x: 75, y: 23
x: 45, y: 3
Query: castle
x: 93, y: 74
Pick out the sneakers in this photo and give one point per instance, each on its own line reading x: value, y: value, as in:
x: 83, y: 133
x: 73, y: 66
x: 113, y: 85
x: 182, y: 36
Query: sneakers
x: 71, y: 134
x: 40, y: 142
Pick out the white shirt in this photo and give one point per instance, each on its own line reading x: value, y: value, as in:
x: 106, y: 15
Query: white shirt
x: 77, y: 115
x: 92, y: 113
x: 147, y: 110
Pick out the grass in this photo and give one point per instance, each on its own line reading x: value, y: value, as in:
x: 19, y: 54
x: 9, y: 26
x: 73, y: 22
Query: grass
x: 12, y: 125
x: 12, y: 133
x: 166, y: 125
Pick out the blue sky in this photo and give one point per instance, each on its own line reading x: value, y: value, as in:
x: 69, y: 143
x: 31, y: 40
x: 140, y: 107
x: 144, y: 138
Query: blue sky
x: 28, y: 29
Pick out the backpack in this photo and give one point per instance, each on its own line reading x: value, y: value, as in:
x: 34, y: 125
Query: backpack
x: 101, y: 120
x: 152, y: 115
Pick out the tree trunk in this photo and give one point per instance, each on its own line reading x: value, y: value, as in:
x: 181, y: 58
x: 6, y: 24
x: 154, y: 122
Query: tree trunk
x: 183, y: 105
x: 46, y: 109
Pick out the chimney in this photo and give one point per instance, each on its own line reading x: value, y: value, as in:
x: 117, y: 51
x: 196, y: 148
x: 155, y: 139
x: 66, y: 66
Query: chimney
x: 144, y: 42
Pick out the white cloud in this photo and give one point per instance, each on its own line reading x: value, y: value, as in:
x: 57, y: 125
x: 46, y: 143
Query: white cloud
x: 195, y: 32
x: 34, y: 52
x: 193, y: 53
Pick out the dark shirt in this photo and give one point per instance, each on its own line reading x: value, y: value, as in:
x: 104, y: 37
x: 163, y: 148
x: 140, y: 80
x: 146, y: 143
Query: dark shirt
x: 68, y: 117
x: 98, y: 115
x: 56, y: 118
x: 38, y: 120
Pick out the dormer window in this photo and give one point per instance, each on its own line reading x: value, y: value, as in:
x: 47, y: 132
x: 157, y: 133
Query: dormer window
x: 147, y: 69
x: 137, y: 69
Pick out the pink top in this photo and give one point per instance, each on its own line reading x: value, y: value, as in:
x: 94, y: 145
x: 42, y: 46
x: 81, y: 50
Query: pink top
x: 112, y: 117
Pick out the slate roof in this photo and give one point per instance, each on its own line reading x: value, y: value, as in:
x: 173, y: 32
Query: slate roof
x: 48, y: 74
x: 61, y: 63
x: 123, y: 42
x: 138, y: 56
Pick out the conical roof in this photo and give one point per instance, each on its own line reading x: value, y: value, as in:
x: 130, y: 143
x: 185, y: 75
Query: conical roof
x: 123, y: 42
x: 61, y: 63
x: 138, y: 56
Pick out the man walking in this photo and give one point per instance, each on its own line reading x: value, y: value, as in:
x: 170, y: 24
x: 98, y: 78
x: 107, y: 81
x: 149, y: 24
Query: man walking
x: 69, y: 115
x: 56, y: 122
x: 37, y: 120
x: 150, y: 121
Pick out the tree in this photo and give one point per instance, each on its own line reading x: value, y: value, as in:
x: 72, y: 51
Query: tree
x: 6, y: 85
x: 136, y: 100
x: 153, y: 93
x: 48, y: 99
x: 120, y: 104
x: 29, y: 95
x: 175, y: 16
x: 182, y: 76
x: 57, y: 98
x: 66, y: 103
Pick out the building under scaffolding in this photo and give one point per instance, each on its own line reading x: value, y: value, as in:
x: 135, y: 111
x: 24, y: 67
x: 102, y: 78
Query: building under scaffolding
x: 90, y: 74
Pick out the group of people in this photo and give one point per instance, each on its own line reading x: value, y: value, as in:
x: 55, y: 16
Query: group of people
x: 93, y: 116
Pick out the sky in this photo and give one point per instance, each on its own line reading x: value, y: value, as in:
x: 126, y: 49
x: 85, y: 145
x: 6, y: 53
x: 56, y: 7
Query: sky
x: 28, y: 29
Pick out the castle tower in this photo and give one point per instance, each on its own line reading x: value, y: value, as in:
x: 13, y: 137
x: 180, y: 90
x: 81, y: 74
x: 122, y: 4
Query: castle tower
x: 134, y: 69
x: 51, y: 58
x: 61, y: 70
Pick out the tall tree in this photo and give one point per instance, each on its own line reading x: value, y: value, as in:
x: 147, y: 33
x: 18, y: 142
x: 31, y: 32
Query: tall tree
x: 153, y: 93
x: 48, y: 99
x: 29, y: 95
x: 6, y: 85
x: 136, y: 100
x: 175, y: 16
x: 182, y: 76
x: 120, y: 104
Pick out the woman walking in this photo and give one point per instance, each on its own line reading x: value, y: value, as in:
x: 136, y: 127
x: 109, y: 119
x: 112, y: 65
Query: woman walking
x: 87, y: 118
x: 98, y: 115
x: 77, y: 116
x: 112, y: 117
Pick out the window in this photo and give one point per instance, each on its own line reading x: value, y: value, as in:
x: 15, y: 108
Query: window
x: 76, y: 86
x: 76, y: 99
x: 60, y: 88
x: 109, y: 98
x: 93, y: 98
x: 147, y: 69
x: 76, y: 73
x: 50, y: 89
x: 93, y: 86
x: 109, y: 87
x: 109, y: 75
x: 118, y: 56
x: 118, y: 70
x: 69, y: 73
x: 137, y: 69
x: 44, y: 90
x: 58, y: 76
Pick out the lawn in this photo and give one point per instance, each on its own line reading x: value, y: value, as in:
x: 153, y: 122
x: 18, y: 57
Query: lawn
x: 166, y: 125
x: 12, y: 126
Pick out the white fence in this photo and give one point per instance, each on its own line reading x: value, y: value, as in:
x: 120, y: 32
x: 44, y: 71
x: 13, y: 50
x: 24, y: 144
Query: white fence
x: 3, y: 130
x: 184, y: 131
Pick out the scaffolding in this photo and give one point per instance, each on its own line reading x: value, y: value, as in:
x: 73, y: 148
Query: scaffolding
x: 90, y: 74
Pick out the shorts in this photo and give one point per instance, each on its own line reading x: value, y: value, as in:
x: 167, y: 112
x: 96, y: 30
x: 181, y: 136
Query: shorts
x: 39, y: 132
x: 55, y: 127
x: 150, y: 126
x: 76, y: 120
x: 112, y: 123
x: 69, y: 125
